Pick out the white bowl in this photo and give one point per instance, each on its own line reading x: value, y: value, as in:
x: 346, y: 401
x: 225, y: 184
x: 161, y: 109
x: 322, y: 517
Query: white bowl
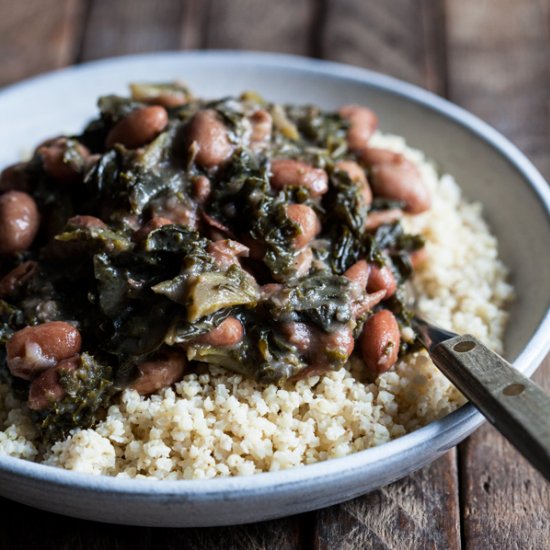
x: 488, y: 167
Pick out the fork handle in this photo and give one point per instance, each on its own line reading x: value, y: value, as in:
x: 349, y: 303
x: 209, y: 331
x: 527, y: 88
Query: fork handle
x: 515, y: 405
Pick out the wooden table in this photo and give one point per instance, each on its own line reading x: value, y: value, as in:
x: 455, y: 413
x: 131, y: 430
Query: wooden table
x: 490, y: 56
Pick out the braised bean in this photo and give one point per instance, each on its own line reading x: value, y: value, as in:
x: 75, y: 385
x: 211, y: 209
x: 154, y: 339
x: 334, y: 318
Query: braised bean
x: 374, y: 155
x: 376, y: 218
x: 294, y: 173
x: 85, y: 222
x: 226, y: 251
x: 138, y: 128
x: 46, y: 389
x: 16, y: 278
x: 358, y: 273
x: 357, y: 176
x: 34, y: 349
x: 210, y: 135
x: 297, y: 334
x: 303, y: 261
x: 367, y: 303
x: 262, y: 125
x: 159, y: 373
x: 19, y: 222
x: 53, y: 155
x: 401, y: 181
x: 418, y: 257
x: 154, y: 223
x: 363, y: 123
x: 380, y: 341
x: 309, y: 225
x: 381, y: 278
x: 228, y: 333
x: 15, y: 178
x: 340, y: 343
x: 202, y: 189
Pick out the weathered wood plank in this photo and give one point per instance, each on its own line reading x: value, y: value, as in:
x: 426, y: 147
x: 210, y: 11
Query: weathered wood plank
x: 283, y: 534
x: 420, y: 511
x: 37, y: 36
x: 131, y: 26
x: 506, y: 503
x: 404, y: 38
x: 498, y: 56
x: 282, y: 26
x: 498, y: 53
x: 25, y: 528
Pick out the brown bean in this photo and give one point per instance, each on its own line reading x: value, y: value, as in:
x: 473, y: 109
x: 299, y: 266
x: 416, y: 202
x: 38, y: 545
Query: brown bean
x: 15, y: 178
x: 52, y: 153
x: 381, y: 278
x: 294, y: 173
x: 339, y: 342
x: 262, y: 125
x: 228, y: 333
x: 16, y: 278
x: 210, y: 135
x: 226, y: 251
x: 401, y: 181
x: 309, y: 225
x: 380, y: 341
x: 367, y: 303
x: 154, y: 223
x: 303, y: 261
x: 85, y: 222
x: 138, y: 128
x: 298, y: 335
x: 159, y: 373
x: 19, y: 222
x: 374, y: 155
x: 358, y: 273
x: 377, y: 218
x: 202, y: 189
x: 363, y: 123
x: 34, y: 349
x: 357, y: 176
x: 46, y: 390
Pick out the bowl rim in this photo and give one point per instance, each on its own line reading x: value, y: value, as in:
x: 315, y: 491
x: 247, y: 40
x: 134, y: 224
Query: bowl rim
x: 466, y: 416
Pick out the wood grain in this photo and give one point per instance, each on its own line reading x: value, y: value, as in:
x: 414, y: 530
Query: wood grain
x: 37, y: 36
x: 499, y: 68
x: 282, y: 26
x: 421, y: 509
x: 404, y: 38
x: 131, y: 26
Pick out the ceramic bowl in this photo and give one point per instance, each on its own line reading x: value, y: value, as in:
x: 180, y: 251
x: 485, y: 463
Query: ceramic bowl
x: 489, y: 168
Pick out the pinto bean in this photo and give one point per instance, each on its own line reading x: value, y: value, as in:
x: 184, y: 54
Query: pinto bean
x: 16, y: 278
x: 159, y: 373
x: 19, y: 222
x: 381, y: 278
x: 377, y: 218
x: 85, y: 222
x: 303, y: 261
x: 262, y: 125
x: 309, y: 225
x: 228, y: 333
x: 46, y: 389
x: 15, y: 178
x: 358, y: 273
x: 52, y: 153
x: 401, y: 181
x: 154, y: 223
x: 202, y: 189
x: 380, y: 341
x: 209, y: 134
x: 363, y: 123
x: 226, y: 251
x: 294, y: 173
x: 37, y: 348
x: 138, y: 128
x: 357, y: 176
x: 374, y: 155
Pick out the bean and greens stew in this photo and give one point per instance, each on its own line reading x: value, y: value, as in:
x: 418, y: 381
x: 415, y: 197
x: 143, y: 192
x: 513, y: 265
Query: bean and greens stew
x: 173, y: 231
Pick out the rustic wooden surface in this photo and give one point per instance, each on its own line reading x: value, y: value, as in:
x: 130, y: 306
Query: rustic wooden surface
x: 490, y: 56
